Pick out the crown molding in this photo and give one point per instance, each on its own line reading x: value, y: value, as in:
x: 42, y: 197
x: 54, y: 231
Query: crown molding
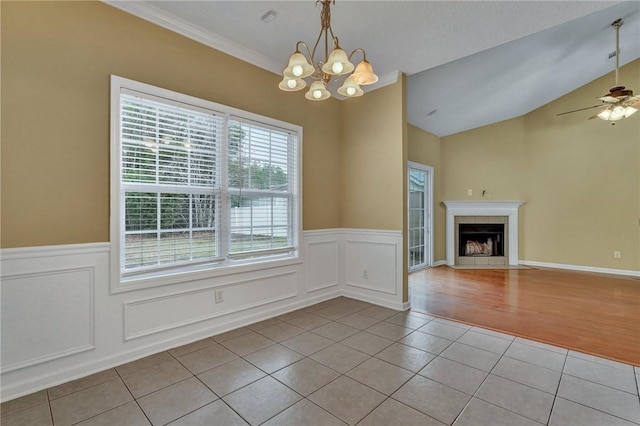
x: 165, y: 20
x: 386, y: 80
x: 156, y: 16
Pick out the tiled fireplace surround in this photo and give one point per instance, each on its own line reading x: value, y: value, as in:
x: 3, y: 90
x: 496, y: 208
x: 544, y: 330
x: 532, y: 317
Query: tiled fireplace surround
x: 483, y: 212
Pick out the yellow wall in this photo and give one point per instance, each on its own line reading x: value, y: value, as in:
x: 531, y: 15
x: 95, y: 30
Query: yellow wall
x: 580, y: 179
x: 424, y: 148
x: 371, y: 156
x: 583, y: 182
x: 485, y: 159
x: 56, y: 61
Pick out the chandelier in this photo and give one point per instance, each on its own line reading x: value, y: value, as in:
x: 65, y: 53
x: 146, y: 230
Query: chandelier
x: 331, y: 67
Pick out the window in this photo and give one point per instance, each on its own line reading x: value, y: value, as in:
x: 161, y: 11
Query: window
x: 196, y: 185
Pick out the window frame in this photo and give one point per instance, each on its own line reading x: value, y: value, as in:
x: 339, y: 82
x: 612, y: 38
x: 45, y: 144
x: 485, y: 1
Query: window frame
x: 122, y: 281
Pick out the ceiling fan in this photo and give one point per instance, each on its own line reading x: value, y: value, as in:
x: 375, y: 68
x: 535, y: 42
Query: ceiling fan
x: 619, y: 103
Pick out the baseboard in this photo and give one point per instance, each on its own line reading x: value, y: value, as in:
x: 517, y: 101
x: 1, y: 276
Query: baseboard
x: 581, y: 268
x: 385, y: 303
x: 439, y: 263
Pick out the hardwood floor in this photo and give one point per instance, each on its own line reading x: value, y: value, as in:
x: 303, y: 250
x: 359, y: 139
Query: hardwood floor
x: 588, y: 312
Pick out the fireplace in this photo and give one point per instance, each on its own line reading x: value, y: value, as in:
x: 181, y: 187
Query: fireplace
x: 482, y: 232
x: 481, y: 239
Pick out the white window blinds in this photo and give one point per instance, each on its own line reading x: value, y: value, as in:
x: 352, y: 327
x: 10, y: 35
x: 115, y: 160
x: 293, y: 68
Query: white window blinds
x: 170, y: 182
x: 260, y: 175
x: 199, y: 186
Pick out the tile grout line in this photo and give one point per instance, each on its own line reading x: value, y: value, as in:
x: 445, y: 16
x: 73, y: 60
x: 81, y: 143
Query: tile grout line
x: 340, y: 374
x: 555, y: 395
x: 345, y: 374
x: 363, y: 384
x: 413, y: 374
x: 131, y: 393
x: 50, y: 407
x: 483, y: 381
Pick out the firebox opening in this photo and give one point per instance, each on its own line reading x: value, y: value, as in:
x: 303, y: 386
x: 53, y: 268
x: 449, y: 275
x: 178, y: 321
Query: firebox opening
x: 481, y: 239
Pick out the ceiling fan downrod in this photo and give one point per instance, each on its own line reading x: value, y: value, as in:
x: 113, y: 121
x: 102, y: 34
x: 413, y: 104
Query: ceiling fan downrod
x: 617, y: 24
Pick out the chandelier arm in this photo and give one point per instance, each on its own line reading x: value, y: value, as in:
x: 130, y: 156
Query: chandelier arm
x: 326, y: 45
x: 306, y: 48
x: 364, y: 54
x: 315, y: 47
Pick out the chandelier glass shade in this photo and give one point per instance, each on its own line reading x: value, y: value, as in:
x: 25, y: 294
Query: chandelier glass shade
x: 318, y: 91
x: 333, y: 66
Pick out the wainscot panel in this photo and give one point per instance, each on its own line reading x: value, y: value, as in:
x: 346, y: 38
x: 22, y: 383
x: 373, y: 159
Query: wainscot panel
x: 322, y: 259
x: 157, y: 314
x: 54, y: 311
x: 373, y: 266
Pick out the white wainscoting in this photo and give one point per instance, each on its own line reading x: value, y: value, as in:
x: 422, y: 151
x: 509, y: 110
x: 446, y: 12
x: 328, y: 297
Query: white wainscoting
x: 322, y: 258
x: 373, y: 266
x: 161, y: 313
x: 52, y: 326
x: 60, y: 322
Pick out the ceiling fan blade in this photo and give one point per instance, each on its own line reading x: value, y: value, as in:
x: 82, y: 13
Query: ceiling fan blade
x: 581, y: 109
x: 611, y: 99
x: 596, y: 115
x: 633, y: 102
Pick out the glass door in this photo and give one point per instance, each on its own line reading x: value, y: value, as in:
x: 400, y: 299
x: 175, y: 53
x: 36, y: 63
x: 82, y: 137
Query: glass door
x: 419, y: 205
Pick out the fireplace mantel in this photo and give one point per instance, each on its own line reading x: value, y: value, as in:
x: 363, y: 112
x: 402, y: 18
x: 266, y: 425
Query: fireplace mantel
x: 483, y: 208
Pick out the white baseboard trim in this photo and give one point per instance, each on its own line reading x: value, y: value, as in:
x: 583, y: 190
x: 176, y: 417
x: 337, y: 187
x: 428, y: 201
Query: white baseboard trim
x: 581, y: 268
x: 385, y: 303
x: 439, y: 263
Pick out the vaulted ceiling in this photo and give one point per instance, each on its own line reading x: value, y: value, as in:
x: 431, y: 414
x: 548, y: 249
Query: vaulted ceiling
x: 469, y: 63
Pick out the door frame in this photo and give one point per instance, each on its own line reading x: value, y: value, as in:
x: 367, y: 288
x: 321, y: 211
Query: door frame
x: 428, y: 216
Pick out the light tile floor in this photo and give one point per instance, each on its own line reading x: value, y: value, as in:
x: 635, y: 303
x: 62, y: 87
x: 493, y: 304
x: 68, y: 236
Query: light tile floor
x: 344, y: 361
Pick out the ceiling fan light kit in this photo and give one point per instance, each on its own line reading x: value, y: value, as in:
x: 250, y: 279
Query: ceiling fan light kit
x: 617, y: 113
x: 332, y: 67
x: 619, y: 102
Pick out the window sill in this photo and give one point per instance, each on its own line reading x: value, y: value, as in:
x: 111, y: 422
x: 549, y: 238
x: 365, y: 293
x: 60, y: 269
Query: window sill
x: 167, y: 278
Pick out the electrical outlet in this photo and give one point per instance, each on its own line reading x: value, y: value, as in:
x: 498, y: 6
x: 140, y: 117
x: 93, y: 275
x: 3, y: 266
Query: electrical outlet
x: 469, y: 192
x: 365, y: 275
x: 219, y: 296
x: 617, y: 255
